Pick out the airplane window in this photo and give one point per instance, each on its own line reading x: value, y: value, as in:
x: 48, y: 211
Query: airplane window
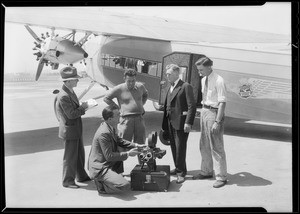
x: 159, y: 68
x: 106, y: 59
x: 103, y: 59
x: 153, y: 69
x: 140, y: 65
x: 131, y: 63
x: 112, y: 62
x: 119, y: 62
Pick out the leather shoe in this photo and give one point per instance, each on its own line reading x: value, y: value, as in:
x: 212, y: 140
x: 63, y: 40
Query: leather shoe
x: 100, y: 187
x: 72, y: 186
x: 84, y: 180
x: 201, y: 177
x: 180, y: 179
x: 173, y: 172
x: 219, y: 183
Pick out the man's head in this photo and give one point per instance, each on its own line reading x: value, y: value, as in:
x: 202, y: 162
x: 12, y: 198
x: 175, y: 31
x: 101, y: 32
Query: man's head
x: 204, y: 66
x: 69, y: 76
x: 172, y: 72
x: 130, y: 78
x: 111, y: 114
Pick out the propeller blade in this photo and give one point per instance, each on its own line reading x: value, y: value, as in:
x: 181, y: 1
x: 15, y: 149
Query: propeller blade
x: 40, y: 68
x: 33, y: 34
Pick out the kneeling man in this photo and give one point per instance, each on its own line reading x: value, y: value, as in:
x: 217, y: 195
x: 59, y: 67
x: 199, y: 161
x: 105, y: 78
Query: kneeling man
x: 105, y: 163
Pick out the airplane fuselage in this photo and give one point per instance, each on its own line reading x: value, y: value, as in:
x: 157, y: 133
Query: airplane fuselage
x: 258, y: 82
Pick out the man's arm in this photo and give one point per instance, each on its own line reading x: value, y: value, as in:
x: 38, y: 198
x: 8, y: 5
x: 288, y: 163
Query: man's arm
x: 191, y: 105
x: 221, y: 90
x: 68, y: 108
x: 108, y: 98
x: 125, y: 143
x: 145, y: 95
x: 221, y: 111
x: 106, y: 146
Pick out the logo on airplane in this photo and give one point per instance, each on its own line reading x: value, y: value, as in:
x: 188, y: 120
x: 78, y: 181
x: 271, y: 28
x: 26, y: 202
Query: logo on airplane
x: 245, y: 90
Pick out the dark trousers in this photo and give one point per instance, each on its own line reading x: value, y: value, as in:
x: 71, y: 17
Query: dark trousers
x: 73, y: 162
x: 178, y: 142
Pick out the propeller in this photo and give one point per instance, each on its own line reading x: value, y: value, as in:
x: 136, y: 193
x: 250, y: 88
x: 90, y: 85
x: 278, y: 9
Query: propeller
x: 40, y: 67
x: 33, y: 34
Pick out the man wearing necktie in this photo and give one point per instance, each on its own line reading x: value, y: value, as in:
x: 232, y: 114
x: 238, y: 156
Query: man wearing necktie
x: 212, y: 124
x: 105, y: 162
x: 69, y: 113
x: 179, y: 114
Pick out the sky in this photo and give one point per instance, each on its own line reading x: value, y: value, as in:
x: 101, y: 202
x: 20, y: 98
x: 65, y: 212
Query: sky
x: 274, y: 17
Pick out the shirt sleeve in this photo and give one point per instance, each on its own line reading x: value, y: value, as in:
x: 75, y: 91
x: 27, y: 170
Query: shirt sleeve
x: 70, y: 111
x: 221, y: 90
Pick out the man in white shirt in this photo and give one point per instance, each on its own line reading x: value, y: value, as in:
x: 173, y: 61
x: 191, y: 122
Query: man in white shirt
x: 212, y: 124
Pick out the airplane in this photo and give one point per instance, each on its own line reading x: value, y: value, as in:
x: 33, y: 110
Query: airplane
x: 256, y: 66
x: 57, y: 50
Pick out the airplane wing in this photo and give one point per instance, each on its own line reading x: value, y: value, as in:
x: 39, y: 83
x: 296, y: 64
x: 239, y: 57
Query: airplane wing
x: 106, y: 23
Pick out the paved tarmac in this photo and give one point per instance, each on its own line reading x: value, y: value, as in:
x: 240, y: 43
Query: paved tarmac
x: 259, y: 160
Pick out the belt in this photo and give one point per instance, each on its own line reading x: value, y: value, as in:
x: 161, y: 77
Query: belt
x: 209, y: 107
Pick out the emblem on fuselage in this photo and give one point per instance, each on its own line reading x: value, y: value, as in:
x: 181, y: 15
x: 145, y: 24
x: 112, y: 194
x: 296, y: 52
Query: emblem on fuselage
x: 245, y: 90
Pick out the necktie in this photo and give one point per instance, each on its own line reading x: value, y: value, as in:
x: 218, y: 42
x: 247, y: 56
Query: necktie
x: 205, y: 89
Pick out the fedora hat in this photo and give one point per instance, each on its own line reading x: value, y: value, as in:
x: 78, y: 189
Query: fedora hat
x: 69, y: 73
x: 164, y: 137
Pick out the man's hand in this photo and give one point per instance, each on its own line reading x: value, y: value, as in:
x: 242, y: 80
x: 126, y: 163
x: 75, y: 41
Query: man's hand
x: 141, y: 147
x: 215, y: 128
x: 187, y: 127
x: 133, y: 152
x: 84, y: 105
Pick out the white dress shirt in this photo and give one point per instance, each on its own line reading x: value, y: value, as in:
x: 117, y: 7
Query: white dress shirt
x: 216, y: 91
x: 173, y: 86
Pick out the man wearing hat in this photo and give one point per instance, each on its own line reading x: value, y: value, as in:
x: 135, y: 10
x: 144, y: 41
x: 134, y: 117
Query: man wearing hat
x: 69, y: 113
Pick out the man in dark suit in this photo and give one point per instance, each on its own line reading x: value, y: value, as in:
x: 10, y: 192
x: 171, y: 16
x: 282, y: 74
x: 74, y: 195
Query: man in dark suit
x: 69, y: 113
x: 105, y: 162
x: 179, y: 114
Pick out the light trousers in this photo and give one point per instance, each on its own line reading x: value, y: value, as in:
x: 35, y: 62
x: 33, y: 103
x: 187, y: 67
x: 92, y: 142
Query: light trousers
x: 212, y: 146
x: 112, y: 182
x: 132, y: 127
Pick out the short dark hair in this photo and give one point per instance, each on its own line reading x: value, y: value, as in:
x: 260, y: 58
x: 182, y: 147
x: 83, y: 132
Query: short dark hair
x: 205, y: 61
x: 108, y: 112
x: 130, y: 72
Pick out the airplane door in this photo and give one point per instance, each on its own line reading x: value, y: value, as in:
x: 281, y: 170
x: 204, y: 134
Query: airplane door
x: 180, y: 59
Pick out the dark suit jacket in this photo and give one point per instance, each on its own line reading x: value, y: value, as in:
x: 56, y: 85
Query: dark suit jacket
x: 183, y: 106
x: 69, y: 114
x: 104, y: 152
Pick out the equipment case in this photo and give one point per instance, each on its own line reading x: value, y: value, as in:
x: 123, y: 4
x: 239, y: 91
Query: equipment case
x: 142, y: 179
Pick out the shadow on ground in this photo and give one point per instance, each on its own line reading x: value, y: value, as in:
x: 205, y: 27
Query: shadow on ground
x: 244, y: 179
x: 47, y: 139
x: 241, y: 128
x: 130, y: 195
x: 40, y: 140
